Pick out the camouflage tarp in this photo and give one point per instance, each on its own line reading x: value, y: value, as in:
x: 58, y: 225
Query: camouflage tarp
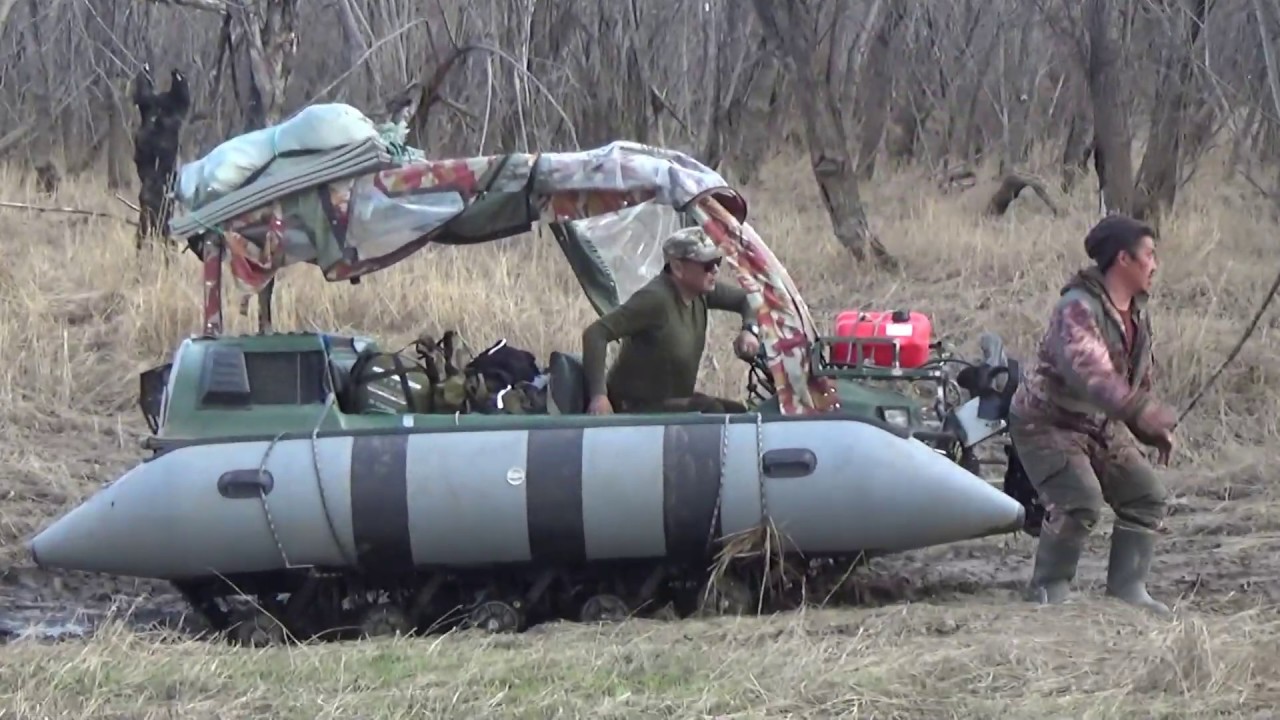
x: 359, y: 225
x: 355, y: 226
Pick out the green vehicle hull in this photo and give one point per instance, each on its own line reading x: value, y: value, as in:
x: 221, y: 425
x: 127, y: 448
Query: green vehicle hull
x: 186, y: 417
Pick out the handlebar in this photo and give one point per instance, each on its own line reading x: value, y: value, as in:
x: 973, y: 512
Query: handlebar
x: 992, y: 349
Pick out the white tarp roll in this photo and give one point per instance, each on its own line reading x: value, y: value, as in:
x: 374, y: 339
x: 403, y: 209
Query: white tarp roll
x: 316, y: 127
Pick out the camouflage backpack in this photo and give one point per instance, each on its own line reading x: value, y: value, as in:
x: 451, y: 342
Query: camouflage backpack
x: 499, y: 379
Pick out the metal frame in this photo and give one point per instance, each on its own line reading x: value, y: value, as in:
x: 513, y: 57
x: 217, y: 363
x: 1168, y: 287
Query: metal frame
x: 862, y: 370
x: 933, y: 370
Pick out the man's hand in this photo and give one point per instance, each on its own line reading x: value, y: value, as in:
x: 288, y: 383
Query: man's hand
x: 1155, y: 421
x: 1164, y: 445
x: 600, y: 405
x: 1154, y: 428
x: 747, y: 345
x: 1157, y: 418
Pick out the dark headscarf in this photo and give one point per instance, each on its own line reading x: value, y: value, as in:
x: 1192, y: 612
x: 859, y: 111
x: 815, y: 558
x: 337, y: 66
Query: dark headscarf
x: 1113, y: 234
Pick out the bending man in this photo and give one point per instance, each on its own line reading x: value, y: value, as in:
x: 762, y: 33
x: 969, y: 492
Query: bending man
x: 663, y: 328
x: 1093, y: 373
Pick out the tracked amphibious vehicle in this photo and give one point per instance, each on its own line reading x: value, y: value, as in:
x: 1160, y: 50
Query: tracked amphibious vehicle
x: 319, y: 475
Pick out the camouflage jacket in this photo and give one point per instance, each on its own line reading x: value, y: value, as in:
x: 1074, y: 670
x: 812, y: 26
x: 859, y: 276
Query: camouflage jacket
x: 1082, y: 374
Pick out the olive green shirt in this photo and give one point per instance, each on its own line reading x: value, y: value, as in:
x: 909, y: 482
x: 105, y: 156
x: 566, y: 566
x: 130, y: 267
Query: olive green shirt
x: 663, y: 338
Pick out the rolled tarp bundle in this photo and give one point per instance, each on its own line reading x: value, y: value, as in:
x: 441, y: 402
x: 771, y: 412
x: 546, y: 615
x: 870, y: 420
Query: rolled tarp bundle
x: 285, y: 176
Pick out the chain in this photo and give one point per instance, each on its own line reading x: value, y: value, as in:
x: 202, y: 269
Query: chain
x: 764, y: 506
x: 724, y: 455
x: 324, y: 502
x: 315, y: 463
x: 266, y: 508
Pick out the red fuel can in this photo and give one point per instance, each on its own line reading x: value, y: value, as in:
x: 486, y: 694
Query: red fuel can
x: 879, y: 332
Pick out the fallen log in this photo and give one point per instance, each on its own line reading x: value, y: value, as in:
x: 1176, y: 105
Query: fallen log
x: 1013, y: 185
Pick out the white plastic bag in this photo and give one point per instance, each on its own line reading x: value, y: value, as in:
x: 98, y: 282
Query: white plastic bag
x: 378, y: 225
x: 316, y: 127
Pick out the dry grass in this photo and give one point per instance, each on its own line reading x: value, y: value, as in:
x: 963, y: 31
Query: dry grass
x: 80, y: 316
x: 978, y: 661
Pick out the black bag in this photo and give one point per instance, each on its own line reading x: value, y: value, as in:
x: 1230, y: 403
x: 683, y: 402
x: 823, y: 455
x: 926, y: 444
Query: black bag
x: 503, y: 366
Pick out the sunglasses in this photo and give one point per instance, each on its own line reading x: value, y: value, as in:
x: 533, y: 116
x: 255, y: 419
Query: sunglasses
x: 708, y: 266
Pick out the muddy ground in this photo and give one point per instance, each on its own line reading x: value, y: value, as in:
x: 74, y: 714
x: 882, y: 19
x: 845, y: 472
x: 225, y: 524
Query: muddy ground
x: 1221, y: 556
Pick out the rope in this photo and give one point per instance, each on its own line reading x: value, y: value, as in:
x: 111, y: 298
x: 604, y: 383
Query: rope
x: 1253, y: 325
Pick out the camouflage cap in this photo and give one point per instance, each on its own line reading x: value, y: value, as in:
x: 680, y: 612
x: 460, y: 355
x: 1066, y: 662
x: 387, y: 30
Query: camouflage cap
x: 691, y: 244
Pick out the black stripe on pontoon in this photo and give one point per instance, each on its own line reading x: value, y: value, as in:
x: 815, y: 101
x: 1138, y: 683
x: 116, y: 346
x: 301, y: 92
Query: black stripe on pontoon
x: 553, y: 496
x: 690, y: 487
x: 380, y: 502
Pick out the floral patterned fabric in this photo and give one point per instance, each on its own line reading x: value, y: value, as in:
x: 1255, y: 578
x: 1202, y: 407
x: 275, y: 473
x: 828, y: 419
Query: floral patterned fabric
x: 359, y: 225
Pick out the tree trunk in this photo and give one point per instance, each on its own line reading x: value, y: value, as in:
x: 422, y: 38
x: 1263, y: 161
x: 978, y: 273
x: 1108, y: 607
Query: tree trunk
x: 790, y: 28
x: 876, y: 88
x: 837, y: 181
x: 1112, y: 142
x: 1161, y: 167
x: 156, y: 141
x: 270, y: 30
x: 754, y: 125
x: 119, y: 148
x: 1238, y: 143
x: 1075, y: 151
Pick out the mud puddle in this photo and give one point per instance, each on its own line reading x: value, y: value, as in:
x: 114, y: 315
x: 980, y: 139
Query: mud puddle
x: 56, y: 606
x: 1218, y: 557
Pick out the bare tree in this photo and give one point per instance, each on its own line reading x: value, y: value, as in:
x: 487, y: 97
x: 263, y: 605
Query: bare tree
x: 876, y: 84
x: 156, y: 147
x: 1105, y: 52
x: 1162, y: 164
x: 268, y: 30
x: 793, y: 28
x: 949, y: 84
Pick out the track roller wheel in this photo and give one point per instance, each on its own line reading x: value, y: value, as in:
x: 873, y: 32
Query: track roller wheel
x: 255, y: 628
x: 496, y: 617
x: 604, y: 608
x: 383, y: 620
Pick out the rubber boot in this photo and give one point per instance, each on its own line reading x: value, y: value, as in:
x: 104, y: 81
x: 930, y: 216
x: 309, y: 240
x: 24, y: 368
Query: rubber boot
x: 1131, y: 550
x: 1057, y: 555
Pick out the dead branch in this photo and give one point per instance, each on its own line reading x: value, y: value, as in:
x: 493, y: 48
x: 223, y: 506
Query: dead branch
x: 431, y: 89
x: 127, y: 204
x: 15, y: 136
x: 359, y: 61
x: 961, y: 178
x: 217, y: 6
x: 67, y: 210
x: 6, y: 6
x: 1012, y: 186
x: 661, y: 103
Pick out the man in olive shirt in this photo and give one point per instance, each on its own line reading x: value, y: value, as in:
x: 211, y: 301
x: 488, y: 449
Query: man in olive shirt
x: 663, y: 328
